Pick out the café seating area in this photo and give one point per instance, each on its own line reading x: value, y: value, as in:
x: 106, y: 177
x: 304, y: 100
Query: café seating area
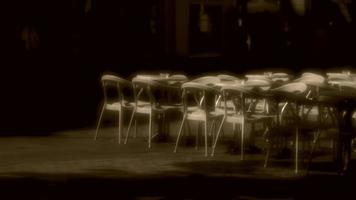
x: 291, y: 113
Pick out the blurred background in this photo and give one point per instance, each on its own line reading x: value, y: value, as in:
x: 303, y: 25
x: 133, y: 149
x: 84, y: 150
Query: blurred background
x: 54, y: 52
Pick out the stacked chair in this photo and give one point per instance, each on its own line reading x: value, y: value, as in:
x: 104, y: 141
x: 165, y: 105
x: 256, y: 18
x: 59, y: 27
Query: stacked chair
x: 117, y: 97
x: 240, y: 113
x: 150, y: 101
x: 311, y: 103
x: 291, y: 96
x: 199, y: 99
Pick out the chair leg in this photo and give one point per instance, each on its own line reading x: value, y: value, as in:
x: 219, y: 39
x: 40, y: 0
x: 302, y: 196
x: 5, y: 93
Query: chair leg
x: 206, y: 136
x: 296, y: 150
x: 99, y: 121
x: 222, y: 132
x: 268, y: 154
x: 120, y: 126
x: 316, y: 139
x: 197, y: 136
x: 234, y: 132
x: 165, y: 127
x: 129, y: 126
x: 217, y: 136
x: 179, y: 133
x: 187, y: 128
x: 135, y: 133
x: 150, y: 130
x: 211, y: 131
x: 270, y: 145
x: 242, y: 139
x: 212, y: 126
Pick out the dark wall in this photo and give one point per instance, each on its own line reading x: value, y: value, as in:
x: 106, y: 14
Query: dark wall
x: 53, y: 82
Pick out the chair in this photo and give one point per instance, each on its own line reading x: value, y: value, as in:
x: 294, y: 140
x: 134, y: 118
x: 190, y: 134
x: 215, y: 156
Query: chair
x: 226, y: 80
x: 315, y: 83
x: 346, y: 116
x: 149, y: 100
x: 262, y: 84
x: 211, y: 81
x: 242, y: 113
x: 342, y: 100
x: 177, y: 79
x: 203, y: 108
x: 119, y: 103
x: 293, y: 94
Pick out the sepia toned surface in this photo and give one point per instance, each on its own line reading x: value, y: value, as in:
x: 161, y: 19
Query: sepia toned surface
x: 71, y: 165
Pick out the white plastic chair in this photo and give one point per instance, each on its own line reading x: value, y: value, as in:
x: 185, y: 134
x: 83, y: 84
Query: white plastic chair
x: 292, y: 94
x: 202, y: 111
x: 120, y: 103
x: 240, y: 114
x: 314, y: 83
x: 153, y: 106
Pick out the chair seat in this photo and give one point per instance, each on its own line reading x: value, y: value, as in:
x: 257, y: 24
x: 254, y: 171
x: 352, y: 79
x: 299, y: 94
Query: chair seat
x: 237, y: 118
x: 118, y: 107
x: 167, y: 108
x: 228, y: 111
x: 145, y: 108
x: 192, y: 108
x: 114, y: 106
x: 234, y: 119
x: 260, y: 117
x: 260, y: 107
x: 313, y: 112
x: 229, y: 104
x: 199, y: 114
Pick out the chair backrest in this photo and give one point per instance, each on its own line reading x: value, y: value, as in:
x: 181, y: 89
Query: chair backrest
x: 258, y: 82
x: 207, y: 80
x: 155, y: 92
x: 179, y: 77
x: 204, y: 96
x: 226, y: 77
x: 256, y: 76
x: 292, y: 88
x: 237, y: 94
x: 339, y: 77
x: 280, y: 76
x: 116, y: 88
x: 148, y: 90
x: 291, y: 91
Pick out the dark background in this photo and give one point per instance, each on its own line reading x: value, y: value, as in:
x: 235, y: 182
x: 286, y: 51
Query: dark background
x: 54, y: 85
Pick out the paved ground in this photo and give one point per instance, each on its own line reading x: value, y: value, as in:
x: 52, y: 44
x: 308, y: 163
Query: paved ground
x: 71, y: 165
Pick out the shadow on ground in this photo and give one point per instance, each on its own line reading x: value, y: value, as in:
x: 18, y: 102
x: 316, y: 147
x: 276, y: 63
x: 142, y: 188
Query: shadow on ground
x: 120, y: 184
